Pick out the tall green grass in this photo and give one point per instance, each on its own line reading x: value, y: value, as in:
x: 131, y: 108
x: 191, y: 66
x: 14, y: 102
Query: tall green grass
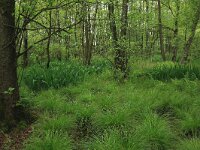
x: 60, y: 74
x: 167, y: 71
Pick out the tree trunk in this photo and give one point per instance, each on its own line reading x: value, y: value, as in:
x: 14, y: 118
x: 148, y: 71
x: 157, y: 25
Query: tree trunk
x: 49, y: 40
x: 120, y: 56
x: 9, y: 92
x: 87, y: 54
x: 25, y: 55
x: 121, y: 59
x: 59, y: 41
x: 161, y: 31
x: 188, y: 43
x: 176, y: 31
x: 89, y: 33
x: 113, y: 26
x: 147, y: 27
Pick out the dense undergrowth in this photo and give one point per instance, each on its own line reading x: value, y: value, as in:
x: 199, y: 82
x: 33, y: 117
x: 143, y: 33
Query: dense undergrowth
x: 100, y: 113
x: 169, y: 70
x: 60, y: 74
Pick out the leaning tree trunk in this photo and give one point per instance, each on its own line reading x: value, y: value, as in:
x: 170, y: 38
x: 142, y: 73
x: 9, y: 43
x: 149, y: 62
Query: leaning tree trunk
x: 9, y: 92
x: 191, y: 37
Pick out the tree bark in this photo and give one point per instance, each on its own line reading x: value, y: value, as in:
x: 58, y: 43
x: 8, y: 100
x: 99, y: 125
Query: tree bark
x: 49, y: 40
x: 147, y: 28
x: 89, y: 33
x: 88, y: 50
x: 25, y: 39
x: 176, y: 31
x: 113, y: 26
x: 121, y: 60
x: 161, y: 31
x: 9, y: 91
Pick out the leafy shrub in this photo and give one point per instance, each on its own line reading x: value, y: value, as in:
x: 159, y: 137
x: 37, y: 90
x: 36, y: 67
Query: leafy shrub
x: 169, y: 70
x: 59, y: 74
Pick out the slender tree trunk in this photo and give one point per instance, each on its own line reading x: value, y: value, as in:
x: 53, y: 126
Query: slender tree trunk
x: 93, y: 31
x: 9, y: 92
x: 25, y: 55
x: 49, y: 40
x: 176, y: 31
x: 147, y: 27
x: 161, y: 31
x: 89, y: 33
x: 121, y: 60
x: 87, y: 58
x: 113, y: 26
x: 75, y: 29
x: 58, y: 50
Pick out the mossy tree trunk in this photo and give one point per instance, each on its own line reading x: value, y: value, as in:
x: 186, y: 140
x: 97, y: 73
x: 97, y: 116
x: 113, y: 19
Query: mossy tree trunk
x: 121, y: 60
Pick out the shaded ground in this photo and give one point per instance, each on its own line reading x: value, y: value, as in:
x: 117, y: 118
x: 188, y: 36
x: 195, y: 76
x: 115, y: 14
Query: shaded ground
x: 14, y: 140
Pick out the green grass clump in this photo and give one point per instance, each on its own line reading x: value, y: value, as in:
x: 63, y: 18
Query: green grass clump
x: 153, y: 133
x: 56, y: 122
x: 110, y: 140
x: 49, y: 141
x: 190, y: 123
x: 192, y: 144
x: 167, y: 71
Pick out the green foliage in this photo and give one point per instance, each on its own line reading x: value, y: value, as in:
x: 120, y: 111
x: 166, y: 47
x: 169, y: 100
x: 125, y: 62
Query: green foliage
x: 60, y: 74
x: 190, y: 123
x: 100, y: 113
x: 111, y: 140
x: 192, y: 144
x: 169, y: 70
x: 9, y: 91
x: 154, y: 133
x: 49, y: 141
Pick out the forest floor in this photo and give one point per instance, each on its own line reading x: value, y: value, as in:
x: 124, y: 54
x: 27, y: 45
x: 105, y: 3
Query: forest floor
x: 100, y: 113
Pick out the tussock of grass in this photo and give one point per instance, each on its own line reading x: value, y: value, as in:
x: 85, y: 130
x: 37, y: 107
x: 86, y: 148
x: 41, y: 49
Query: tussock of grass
x: 192, y: 144
x: 111, y: 139
x: 153, y: 133
x: 49, y: 141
